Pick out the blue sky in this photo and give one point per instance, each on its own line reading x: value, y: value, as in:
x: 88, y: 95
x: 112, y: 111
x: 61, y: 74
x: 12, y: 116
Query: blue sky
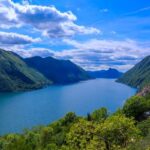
x: 95, y: 34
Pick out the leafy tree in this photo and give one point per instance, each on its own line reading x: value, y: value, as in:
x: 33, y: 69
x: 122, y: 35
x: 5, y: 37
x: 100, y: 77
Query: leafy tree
x: 51, y: 147
x: 143, y: 144
x: 144, y: 126
x: 69, y: 118
x: 81, y: 134
x: 136, y: 106
x: 117, y: 131
x: 46, y: 135
x: 99, y: 114
x: 31, y: 140
x: 12, y: 142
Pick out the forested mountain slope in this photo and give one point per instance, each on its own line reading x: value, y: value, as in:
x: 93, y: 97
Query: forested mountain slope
x: 15, y: 75
x: 139, y: 75
x: 59, y: 71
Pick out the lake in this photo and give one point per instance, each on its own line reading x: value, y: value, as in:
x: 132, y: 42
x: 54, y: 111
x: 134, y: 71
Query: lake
x: 40, y: 107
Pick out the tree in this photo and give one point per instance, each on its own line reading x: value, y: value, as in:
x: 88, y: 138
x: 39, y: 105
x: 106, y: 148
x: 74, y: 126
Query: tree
x: 144, y: 126
x: 46, y: 135
x: 99, y: 114
x: 81, y: 134
x: 69, y: 118
x: 136, y: 106
x: 117, y: 131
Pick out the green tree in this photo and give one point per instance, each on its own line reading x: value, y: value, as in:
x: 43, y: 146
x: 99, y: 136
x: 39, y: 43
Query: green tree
x: 117, y: 132
x: 99, y: 114
x: 46, y: 136
x: 144, y: 126
x: 69, y: 118
x: 136, y: 106
x: 81, y: 134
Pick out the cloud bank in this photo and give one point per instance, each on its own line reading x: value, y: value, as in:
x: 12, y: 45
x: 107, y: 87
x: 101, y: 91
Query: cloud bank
x: 15, y: 39
x: 47, y: 19
x: 96, y: 54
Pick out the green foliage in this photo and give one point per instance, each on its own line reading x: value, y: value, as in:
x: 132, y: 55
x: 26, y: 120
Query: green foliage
x: 139, y: 75
x: 99, y: 115
x: 136, y: 106
x: 144, y: 126
x: 51, y: 147
x: 69, y: 118
x: 46, y: 135
x: 143, y: 144
x: 117, y: 132
x: 81, y: 134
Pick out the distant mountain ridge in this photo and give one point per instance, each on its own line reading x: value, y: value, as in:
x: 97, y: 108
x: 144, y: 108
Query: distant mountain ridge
x: 15, y: 75
x: 59, y: 71
x: 139, y: 75
x: 110, y: 73
x: 18, y: 74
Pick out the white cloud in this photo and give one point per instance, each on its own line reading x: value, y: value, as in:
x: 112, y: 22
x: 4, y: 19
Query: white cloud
x: 42, y: 52
x: 98, y: 54
x: 95, y: 54
x: 47, y: 19
x: 15, y: 39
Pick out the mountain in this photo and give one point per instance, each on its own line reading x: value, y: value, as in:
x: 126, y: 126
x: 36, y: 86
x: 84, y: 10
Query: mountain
x: 110, y: 73
x: 15, y: 75
x: 139, y: 75
x: 59, y: 71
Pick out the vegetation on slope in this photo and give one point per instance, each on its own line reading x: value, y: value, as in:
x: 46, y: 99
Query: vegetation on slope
x: 139, y: 75
x: 98, y: 131
x: 16, y: 75
x: 59, y: 71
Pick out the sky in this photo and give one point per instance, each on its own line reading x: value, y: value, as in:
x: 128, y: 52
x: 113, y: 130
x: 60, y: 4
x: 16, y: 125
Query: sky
x: 94, y: 34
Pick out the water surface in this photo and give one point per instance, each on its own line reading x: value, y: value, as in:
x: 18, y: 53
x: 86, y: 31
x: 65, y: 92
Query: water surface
x: 40, y: 107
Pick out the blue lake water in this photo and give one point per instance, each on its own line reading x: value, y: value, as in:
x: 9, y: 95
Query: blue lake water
x: 40, y: 107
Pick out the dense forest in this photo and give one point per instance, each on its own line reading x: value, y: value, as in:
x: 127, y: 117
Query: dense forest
x: 126, y: 129
x: 139, y: 75
x: 16, y: 75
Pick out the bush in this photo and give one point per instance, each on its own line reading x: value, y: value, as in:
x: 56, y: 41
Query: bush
x: 117, y: 132
x: 144, y: 126
x: 136, y: 106
x: 99, y: 115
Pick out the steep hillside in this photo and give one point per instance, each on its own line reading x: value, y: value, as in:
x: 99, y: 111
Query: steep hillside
x: 139, y: 75
x: 15, y: 75
x: 110, y: 73
x: 59, y: 71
